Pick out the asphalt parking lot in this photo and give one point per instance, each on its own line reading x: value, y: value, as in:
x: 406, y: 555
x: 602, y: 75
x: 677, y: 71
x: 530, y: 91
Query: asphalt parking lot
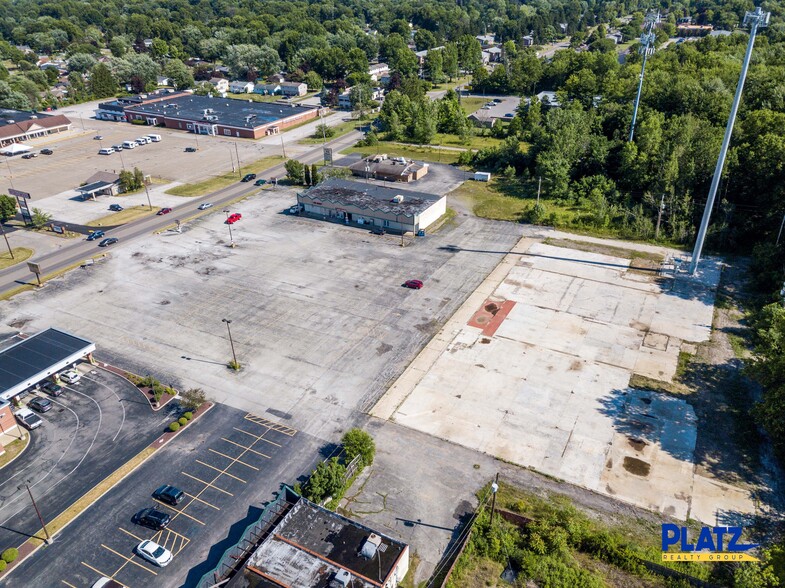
x: 228, y: 463
x: 508, y: 105
x: 95, y: 426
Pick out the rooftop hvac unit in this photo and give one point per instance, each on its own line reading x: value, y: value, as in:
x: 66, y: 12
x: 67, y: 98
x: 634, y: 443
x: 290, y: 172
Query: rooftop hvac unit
x: 371, y: 545
x: 341, y: 579
x: 398, y: 198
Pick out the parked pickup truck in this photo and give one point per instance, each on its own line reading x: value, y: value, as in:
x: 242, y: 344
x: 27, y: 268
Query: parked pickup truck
x: 28, y: 418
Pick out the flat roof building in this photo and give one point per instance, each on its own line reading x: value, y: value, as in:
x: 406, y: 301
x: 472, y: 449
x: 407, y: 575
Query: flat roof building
x: 23, y: 125
x: 396, y: 169
x: 310, y: 546
x: 370, y: 205
x: 31, y: 360
x: 221, y: 116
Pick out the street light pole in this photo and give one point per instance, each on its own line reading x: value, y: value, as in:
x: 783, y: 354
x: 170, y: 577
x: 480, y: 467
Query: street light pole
x: 754, y: 19
x: 231, y: 238
x: 231, y: 341
x: 38, y: 512
x: 11, y: 252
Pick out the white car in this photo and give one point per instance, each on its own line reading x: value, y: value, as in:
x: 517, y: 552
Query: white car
x: 105, y: 582
x: 28, y: 418
x: 205, y: 206
x: 154, y: 553
x: 70, y: 377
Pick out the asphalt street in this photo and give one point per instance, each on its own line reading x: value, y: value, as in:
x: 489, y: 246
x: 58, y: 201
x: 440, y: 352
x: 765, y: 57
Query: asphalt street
x: 95, y: 426
x: 18, y: 274
x: 229, y: 463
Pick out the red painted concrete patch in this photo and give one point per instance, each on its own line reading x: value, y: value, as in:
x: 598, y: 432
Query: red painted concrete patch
x: 498, y: 318
x: 491, y: 315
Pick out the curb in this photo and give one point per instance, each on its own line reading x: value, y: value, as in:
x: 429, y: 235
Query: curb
x: 167, y: 436
x: 122, y: 373
x: 28, y: 437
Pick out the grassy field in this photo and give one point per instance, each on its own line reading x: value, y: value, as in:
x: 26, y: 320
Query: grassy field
x: 451, y: 85
x: 123, y: 217
x: 489, y: 202
x: 20, y: 254
x: 475, y: 142
x: 340, y: 130
x: 226, y: 179
x: 472, y: 103
x: 407, y: 151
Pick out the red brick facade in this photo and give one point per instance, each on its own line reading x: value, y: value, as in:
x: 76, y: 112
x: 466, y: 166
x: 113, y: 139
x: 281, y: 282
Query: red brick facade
x: 7, y: 420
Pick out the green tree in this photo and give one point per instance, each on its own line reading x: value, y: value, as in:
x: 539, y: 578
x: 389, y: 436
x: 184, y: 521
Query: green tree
x: 450, y: 60
x: 326, y: 480
x: 7, y: 207
x: 192, y: 399
x: 768, y: 368
x: 315, y: 177
x: 40, y: 218
x: 295, y: 171
x: 119, y: 46
x: 313, y: 81
x: 243, y: 58
x: 179, y: 74
x: 102, y: 83
x: 81, y: 62
x: 358, y: 442
x: 433, y: 66
x: 12, y: 99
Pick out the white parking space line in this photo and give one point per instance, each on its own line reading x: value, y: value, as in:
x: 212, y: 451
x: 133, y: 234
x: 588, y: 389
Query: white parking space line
x: 119, y: 400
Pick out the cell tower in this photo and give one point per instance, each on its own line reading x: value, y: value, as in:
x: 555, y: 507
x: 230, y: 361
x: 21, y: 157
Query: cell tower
x: 754, y: 20
x: 646, y: 49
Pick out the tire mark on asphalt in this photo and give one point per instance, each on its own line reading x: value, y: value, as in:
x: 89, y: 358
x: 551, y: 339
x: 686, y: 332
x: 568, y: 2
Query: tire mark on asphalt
x: 118, y: 400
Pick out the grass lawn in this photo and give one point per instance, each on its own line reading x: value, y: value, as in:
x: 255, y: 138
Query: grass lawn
x: 254, y: 97
x: 475, y: 142
x: 20, y: 255
x: 489, y: 202
x: 407, y: 151
x: 340, y: 130
x: 123, y: 217
x: 472, y: 103
x: 226, y: 179
x: 451, y: 85
x: 12, y: 450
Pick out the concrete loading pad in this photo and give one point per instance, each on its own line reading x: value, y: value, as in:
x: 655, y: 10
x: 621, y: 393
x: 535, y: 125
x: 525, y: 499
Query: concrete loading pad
x: 535, y: 369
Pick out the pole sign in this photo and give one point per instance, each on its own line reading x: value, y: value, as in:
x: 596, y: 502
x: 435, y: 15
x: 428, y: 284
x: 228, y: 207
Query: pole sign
x: 36, y: 269
x: 328, y: 156
x: 21, y: 200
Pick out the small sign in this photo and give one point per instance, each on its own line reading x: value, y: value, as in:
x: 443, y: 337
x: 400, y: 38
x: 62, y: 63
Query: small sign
x: 34, y: 267
x: 18, y: 193
x: 328, y: 156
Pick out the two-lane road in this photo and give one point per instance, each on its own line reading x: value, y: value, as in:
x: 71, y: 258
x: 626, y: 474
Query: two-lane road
x: 18, y: 274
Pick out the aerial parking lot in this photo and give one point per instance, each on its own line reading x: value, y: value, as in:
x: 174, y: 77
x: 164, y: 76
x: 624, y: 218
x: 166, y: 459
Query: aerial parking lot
x: 228, y: 463
x: 95, y: 426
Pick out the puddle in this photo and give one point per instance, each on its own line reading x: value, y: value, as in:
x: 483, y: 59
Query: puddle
x: 637, y: 466
x: 636, y: 444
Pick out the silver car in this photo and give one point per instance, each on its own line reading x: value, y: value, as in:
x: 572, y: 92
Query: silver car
x: 154, y: 553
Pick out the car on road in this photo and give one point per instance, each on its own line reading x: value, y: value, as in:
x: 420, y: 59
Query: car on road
x: 98, y: 138
x: 154, y: 553
x: 28, y: 419
x: 152, y: 518
x: 169, y: 494
x: 164, y: 211
x: 29, y: 155
x: 104, y: 582
x: 509, y: 115
x: 190, y: 149
x: 115, y: 207
x: 260, y: 182
x: 46, y: 152
x: 233, y: 218
x: 40, y: 404
x: 142, y: 141
x: 117, y: 147
x: 248, y: 177
x: 205, y: 205
x: 52, y: 389
x: 95, y: 235
x: 71, y: 376
x: 105, y: 151
x: 413, y: 284
x: 109, y: 241
x: 497, y: 100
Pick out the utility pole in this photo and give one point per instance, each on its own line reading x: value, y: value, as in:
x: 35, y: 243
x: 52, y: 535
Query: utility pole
x: 494, y: 489
x: 239, y: 167
x: 147, y: 191
x: 231, y: 238
x: 782, y: 224
x: 539, y: 185
x: 659, y: 217
x: 647, y: 46
x: 283, y: 147
x: 11, y: 251
x: 38, y: 512
x: 754, y: 20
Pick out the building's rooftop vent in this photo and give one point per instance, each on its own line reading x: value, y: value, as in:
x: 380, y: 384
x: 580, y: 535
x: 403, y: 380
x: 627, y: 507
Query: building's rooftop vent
x: 371, y: 545
x: 398, y: 198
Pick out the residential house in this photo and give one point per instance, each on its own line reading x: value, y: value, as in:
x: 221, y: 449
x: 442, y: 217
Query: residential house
x: 276, y: 78
x: 267, y: 88
x: 485, y: 57
x: 293, y: 88
x: 148, y: 44
x: 616, y: 37
x: 163, y: 81
x: 495, y: 54
x: 694, y: 30
x: 377, y: 70
x: 220, y: 84
x: 488, y: 40
x: 240, y: 87
x: 421, y: 54
x: 527, y: 41
x: 548, y: 98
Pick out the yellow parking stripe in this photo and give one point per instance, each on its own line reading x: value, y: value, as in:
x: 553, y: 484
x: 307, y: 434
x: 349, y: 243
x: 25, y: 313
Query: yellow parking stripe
x: 171, y: 540
x: 68, y: 584
x: 182, y: 512
x: 129, y: 559
x: 271, y: 425
x: 257, y: 437
x: 207, y: 483
x: 131, y: 534
x: 202, y: 501
x: 223, y: 472
x: 96, y: 570
x: 244, y: 447
x: 234, y: 459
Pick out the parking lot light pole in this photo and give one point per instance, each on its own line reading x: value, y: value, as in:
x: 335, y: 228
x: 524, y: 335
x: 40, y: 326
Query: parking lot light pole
x: 147, y: 191
x: 239, y: 167
x: 38, y: 512
x: 231, y: 238
x: 231, y: 341
x: 11, y: 251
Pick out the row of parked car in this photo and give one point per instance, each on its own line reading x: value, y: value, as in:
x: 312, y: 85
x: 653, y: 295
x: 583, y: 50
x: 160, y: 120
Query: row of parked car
x: 27, y: 418
x: 128, y: 144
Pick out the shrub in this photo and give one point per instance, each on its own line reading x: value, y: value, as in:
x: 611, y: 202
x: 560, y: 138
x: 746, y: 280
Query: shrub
x: 358, y: 442
x: 174, y: 427
x: 3, y: 565
x: 10, y: 554
x: 192, y: 399
x: 326, y: 480
x: 148, y: 381
x: 133, y: 378
x: 183, y: 421
x: 188, y: 415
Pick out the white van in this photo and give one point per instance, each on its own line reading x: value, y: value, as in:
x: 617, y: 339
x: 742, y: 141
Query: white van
x: 106, y: 151
x: 129, y: 144
x: 143, y: 140
x: 154, y: 138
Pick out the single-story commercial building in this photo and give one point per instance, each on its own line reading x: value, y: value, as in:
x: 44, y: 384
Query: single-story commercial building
x: 23, y: 125
x: 8, y: 424
x: 397, y: 169
x: 376, y: 206
x: 220, y: 116
x: 101, y: 183
x: 35, y: 358
x: 303, y: 545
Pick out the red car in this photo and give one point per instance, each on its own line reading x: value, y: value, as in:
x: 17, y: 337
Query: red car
x: 164, y: 211
x: 233, y: 218
x: 413, y: 284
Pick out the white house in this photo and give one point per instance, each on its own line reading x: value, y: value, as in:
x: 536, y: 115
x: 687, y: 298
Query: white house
x: 220, y: 84
x: 486, y: 40
x: 163, y: 81
x: 267, y: 88
x: 377, y: 70
x: 293, y: 88
x: 240, y: 87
